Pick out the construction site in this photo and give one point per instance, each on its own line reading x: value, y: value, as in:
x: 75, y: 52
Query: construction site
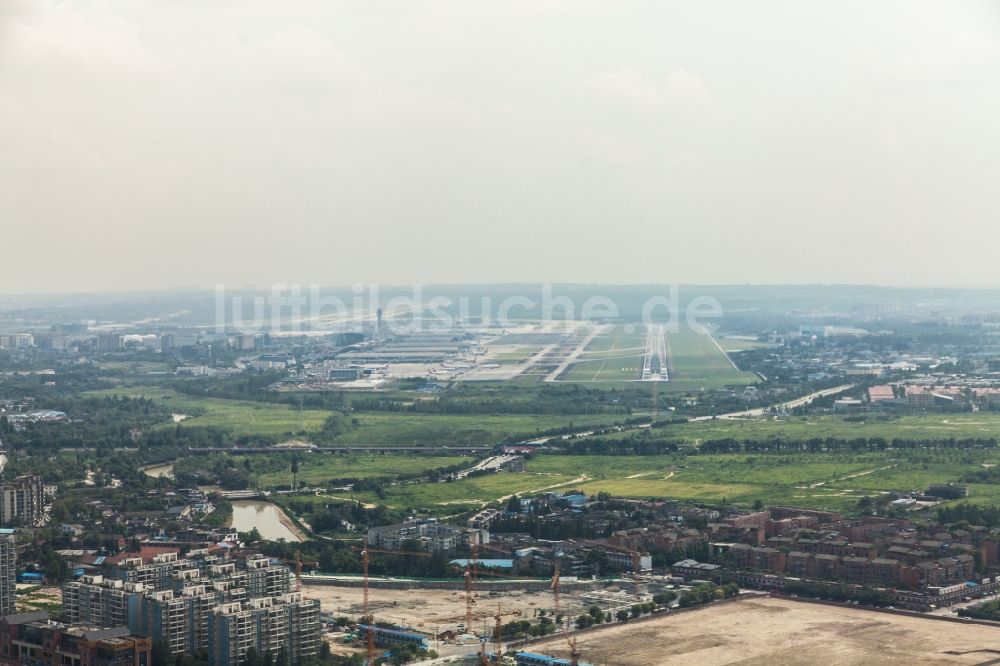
x: 465, y: 626
x: 462, y: 621
x: 756, y: 629
x: 751, y: 629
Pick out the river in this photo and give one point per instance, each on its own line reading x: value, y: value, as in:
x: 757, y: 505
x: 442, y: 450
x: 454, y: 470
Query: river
x: 270, y: 521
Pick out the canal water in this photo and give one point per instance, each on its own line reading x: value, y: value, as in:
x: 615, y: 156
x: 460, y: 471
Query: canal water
x: 270, y: 521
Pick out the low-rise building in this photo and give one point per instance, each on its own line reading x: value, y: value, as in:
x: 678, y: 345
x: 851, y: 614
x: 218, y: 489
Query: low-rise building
x: 428, y: 535
x: 32, y: 638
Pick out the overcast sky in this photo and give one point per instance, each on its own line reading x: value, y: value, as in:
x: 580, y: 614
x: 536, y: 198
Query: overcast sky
x: 158, y: 143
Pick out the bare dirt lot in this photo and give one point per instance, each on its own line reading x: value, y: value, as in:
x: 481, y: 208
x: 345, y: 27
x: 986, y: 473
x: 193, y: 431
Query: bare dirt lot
x: 434, y: 611
x: 779, y: 632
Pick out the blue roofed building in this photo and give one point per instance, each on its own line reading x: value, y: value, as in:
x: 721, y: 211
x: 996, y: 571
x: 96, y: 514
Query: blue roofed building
x: 488, y: 563
x: 532, y: 659
x: 386, y: 637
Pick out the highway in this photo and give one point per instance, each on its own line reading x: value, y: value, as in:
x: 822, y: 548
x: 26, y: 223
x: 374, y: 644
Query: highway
x: 491, y: 464
x: 790, y: 404
x: 747, y: 414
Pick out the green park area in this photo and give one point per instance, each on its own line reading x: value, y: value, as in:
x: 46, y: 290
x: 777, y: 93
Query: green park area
x: 279, y: 420
x: 320, y: 469
x: 238, y: 417
x: 915, y: 426
x: 698, y: 364
x: 835, y: 481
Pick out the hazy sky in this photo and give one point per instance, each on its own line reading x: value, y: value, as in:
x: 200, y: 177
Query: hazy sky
x: 156, y: 143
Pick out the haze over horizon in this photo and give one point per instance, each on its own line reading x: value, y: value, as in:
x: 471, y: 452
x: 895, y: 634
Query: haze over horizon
x: 145, y: 145
x: 531, y: 290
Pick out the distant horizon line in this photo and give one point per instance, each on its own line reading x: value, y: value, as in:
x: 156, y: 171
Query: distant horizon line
x: 433, y: 285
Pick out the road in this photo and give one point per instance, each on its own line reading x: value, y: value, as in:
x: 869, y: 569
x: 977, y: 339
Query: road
x: 719, y: 347
x: 747, y: 414
x: 790, y: 404
x: 491, y: 464
x: 950, y: 611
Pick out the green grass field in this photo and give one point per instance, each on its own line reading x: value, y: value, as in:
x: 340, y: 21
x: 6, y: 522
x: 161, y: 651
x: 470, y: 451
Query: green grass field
x: 370, y: 429
x: 917, y: 426
x: 238, y: 417
x: 740, y: 344
x: 448, y: 498
x: 616, y: 369
x: 618, y: 341
x: 449, y: 429
x: 319, y: 468
x: 515, y: 355
x: 828, y: 481
x: 610, y: 359
x: 133, y: 367
x: 698, y: 364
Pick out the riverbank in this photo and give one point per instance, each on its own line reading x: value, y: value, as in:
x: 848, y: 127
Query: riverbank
x: 158, y: 470
x: 290, y: 525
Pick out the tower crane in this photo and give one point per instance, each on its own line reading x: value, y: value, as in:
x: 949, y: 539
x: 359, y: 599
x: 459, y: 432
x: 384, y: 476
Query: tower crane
x: 484, y: 659
x: 471, y: 572
x: 367, y: 617
x: 298, y: 563
x: 555, y: 584
x: 370, y: 637
x: 574, y: 654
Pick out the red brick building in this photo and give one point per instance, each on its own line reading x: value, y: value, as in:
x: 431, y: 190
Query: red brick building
x: 32, y: 638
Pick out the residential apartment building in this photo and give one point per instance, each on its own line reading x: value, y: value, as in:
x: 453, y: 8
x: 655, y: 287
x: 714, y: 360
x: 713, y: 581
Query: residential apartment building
x: 110, y: 342
x: 758, y: 558
x: 428, y: 535
x: 164, y: 570
x: 180, y: 620
x: 8, y: 570
x: 22, y: 500
x: 287, y: 624
x: 98, y: 602
x: 17, y: 341
x: 174, y: 600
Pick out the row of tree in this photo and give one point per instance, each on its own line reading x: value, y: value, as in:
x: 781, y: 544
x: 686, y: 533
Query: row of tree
x: 973, y: 514
x: 834, y: 444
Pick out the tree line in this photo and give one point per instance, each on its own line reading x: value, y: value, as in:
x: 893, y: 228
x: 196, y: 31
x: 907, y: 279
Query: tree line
x: 835, y: 444
x: 644, y: 444
x: 973, y: 514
